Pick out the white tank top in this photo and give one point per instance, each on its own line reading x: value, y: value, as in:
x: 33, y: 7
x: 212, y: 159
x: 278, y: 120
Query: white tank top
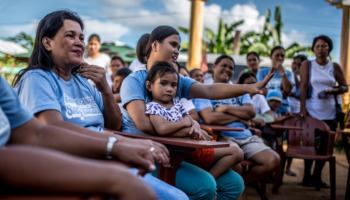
x: 322, y: 78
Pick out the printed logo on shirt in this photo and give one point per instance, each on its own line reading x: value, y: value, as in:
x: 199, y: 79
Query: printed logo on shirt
x: 4, y: 123
x: 81, y: 107
x: 237, y: 101
x: 274, y: 83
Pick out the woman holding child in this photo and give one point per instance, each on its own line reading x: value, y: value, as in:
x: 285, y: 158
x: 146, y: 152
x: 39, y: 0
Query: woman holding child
x: 163, y: 45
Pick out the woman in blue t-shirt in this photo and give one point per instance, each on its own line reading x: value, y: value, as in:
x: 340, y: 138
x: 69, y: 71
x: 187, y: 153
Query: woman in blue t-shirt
x: 56, y: 89
x: 283, y: 79
x: 30, y: 149
x: 163, y: 44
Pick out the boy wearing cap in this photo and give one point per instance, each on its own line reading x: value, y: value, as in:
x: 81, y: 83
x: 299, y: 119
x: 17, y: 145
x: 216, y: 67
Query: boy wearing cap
x: 274, y: 99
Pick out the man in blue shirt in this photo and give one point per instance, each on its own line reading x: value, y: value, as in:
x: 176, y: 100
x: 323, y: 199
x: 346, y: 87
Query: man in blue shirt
x: 236, y: 112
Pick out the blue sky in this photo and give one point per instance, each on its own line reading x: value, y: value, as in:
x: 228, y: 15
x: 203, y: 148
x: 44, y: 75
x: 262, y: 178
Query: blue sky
x: 127, y: 20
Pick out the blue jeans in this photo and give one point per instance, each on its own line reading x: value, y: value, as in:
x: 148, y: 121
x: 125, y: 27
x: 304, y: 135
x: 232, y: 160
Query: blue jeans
x: 199, y: 184
x: 163, y: 190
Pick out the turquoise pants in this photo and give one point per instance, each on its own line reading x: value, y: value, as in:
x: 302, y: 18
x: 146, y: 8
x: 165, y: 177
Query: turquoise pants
x: 200, y: 184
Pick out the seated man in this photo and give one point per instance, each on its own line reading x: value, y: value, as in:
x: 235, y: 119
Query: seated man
x: 236, y: 112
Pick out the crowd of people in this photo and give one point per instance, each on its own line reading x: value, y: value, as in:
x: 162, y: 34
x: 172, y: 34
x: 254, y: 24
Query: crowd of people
x: 53, y: 120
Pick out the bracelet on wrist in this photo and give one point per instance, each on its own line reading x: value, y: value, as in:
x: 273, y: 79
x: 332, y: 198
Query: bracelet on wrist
x: 110, y: 144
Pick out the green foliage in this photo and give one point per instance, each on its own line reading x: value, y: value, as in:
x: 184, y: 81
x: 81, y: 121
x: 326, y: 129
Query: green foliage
x: 183, y: 30
x: 9, y: 67
x: 222, y: 42
x: 263, y: 42
x: 24, y: 39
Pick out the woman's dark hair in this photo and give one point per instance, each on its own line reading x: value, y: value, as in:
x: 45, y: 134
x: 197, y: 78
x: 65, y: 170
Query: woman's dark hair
x: 97, y: 37
x: 48, y: 27
x: 123, y: 72
x: 301, y: 57
x: 159, y: 69
x: 141, y: 46
x: 244, y: 76
x: 181, y: 67
x: 118, y: 58
x: 193, y: 71
x: 253, y: 53
x: 326, y: 39
x: 158, y: 34
x: 276, y: 48
x: 224, y: 56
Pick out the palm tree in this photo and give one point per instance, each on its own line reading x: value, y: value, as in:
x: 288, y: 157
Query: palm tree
x: 24, y: 39
x: 261, y: 42
x: 222, y: 42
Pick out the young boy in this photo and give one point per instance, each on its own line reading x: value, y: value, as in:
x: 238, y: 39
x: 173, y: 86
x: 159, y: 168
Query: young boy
x: 274, y: 100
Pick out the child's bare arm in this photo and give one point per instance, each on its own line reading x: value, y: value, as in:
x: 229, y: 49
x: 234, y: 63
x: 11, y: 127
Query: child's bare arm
x: 284, y: 117
x: 165, y: 127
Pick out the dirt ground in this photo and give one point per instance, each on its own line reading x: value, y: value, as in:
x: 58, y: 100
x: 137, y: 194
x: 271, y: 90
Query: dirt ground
x: 292, y: 189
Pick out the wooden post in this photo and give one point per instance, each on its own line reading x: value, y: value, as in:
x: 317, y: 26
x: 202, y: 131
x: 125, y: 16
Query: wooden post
x: 345, y: 49
x: 196, y: 34
x: 236, y: 43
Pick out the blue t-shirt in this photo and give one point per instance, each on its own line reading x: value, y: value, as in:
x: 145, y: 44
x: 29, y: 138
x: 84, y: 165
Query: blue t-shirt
x: 77, y: 100
x: 12, y: 113
x: 276, y: 82
x: 201, y: 104
x: 133, y: 88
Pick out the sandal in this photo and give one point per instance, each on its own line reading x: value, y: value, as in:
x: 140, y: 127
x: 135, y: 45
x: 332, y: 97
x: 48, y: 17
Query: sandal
x: 290, y: 172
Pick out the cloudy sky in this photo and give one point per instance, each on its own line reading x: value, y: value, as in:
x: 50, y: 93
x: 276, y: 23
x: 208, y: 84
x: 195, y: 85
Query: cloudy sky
x: 127, y: 20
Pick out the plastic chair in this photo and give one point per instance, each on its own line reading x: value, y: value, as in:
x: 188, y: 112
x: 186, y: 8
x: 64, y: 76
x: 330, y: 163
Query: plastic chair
x: 215, y: 131
x: 301, y: 144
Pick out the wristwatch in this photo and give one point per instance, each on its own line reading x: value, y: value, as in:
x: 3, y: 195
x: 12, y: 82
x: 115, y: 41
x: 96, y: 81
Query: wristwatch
x: 282, y: 74
x: 111, y: 141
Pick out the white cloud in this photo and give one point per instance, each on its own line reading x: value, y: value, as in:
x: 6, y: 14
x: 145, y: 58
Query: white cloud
x: 176, y: 13
x: 108, y: 30
x: 252, y: 19
x: 12, y: 30
x: 295, y: 36
x: 212, y: 14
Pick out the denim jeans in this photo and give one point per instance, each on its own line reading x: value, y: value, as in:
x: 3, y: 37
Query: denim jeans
x: 163, y: 190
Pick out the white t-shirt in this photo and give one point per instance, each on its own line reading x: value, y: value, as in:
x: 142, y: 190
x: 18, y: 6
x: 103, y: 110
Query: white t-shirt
x: 260, y: 104
x: 134, y: 65
x: 109, y: 80
x: 103, y: 61
x: 188, y: 104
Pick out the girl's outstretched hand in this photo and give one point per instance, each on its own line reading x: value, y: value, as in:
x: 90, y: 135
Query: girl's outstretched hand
x: 256, y: 88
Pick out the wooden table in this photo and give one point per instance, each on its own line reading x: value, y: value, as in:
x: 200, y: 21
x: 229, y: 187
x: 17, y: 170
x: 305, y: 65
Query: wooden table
x: 177, y: 147
x: 215, y: 130
x: 346, y: 142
